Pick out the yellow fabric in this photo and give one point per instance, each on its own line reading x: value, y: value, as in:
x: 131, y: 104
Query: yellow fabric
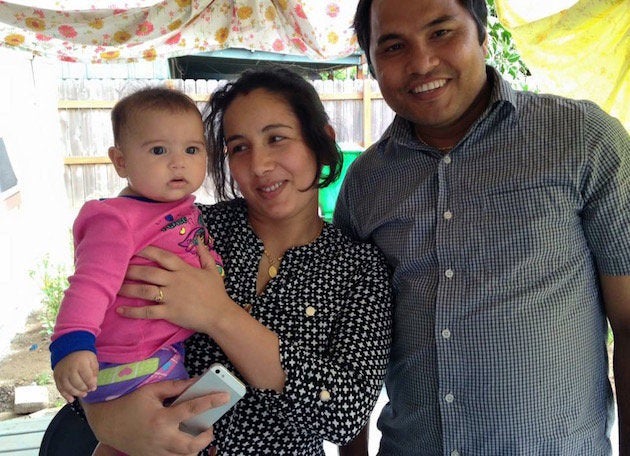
x: 582, y: 52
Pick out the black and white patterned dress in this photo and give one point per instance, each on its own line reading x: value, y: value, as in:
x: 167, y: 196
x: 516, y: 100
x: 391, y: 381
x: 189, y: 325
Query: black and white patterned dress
x: 330, y: 306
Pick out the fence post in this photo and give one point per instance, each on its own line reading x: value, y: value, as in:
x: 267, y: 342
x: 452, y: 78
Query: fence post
x: 367, y: 113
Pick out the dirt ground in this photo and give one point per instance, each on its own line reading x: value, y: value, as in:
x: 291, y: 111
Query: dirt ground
x: 28, y: 363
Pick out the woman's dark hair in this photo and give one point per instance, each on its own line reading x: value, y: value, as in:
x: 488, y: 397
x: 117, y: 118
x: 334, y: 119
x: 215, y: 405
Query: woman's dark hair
x: 303, y: 101
x: 160, y: 98
x: 477, y: 9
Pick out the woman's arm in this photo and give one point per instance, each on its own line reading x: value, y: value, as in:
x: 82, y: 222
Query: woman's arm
x: 332, y: 389
x: 329, y: 392
x: 195, y: 298
x: 139, y: 424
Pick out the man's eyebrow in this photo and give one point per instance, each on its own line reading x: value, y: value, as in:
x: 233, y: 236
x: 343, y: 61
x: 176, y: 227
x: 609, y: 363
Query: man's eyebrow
x: 387, y: 37
x: 440, y: 20
x: 394, y: 36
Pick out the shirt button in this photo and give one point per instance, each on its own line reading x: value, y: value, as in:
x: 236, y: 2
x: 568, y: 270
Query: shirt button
x: 448, y: 215
x: 449, y: 398
x: 324, y: 396
x: 449, y: 273
x: 455, y: 453
x: 446, y: 334
x: 447, y: 159
x: 310, y: 311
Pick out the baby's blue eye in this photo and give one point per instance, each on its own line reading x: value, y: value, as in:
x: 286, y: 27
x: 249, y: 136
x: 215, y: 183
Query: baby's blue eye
x: 158, y: 150
x: 192, y: 150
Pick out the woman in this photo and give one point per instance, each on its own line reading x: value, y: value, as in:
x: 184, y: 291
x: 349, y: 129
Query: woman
x: 304, y: 314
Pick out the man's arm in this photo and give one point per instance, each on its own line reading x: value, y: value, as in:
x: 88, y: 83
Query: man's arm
x: 616, y: 290
x: 358, y: 446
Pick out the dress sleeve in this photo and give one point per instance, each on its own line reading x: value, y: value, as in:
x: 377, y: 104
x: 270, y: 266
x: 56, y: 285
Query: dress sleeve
x: 333, y: 392
x: 103, y: 246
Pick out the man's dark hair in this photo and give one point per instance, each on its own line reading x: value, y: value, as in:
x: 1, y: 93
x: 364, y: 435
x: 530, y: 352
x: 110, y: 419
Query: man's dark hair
x: 477, y: 9
x: 304, y: 102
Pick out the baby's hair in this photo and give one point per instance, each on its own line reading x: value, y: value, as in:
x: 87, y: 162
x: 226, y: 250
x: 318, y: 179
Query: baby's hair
x: 160, y: 98
x: 304, y: 102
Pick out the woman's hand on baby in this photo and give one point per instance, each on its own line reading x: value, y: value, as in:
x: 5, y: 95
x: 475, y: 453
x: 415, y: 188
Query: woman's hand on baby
x: 75, y: 375
x: 185, y: 295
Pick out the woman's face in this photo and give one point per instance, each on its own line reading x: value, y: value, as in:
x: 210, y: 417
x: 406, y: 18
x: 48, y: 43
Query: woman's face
x: 268, y: 158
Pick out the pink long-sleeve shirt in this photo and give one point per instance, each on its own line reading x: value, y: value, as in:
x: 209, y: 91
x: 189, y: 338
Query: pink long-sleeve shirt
x: 108, y: 234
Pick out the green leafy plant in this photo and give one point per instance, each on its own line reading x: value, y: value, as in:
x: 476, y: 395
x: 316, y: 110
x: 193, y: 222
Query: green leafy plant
x: 44, y: 378
x: 609, y: 336
x: 502, y: 53
x: 53, y: 281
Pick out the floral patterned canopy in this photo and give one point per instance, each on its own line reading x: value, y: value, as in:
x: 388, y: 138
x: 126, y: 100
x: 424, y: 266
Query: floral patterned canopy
x: 148, y: 30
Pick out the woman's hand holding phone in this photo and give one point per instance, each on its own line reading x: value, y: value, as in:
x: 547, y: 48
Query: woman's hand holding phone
x: 139, y: 423
x: 216, y: 378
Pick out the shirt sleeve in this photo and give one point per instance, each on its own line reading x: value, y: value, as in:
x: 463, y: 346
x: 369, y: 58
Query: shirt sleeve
x: 332, y: 394
x: 103, y: 247
x: 606, y: 191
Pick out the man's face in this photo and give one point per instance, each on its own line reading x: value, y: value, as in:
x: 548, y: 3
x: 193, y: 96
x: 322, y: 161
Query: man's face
x: 428, y: 61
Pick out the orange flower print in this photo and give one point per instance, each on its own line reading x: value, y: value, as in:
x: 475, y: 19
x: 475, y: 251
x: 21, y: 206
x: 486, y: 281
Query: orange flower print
x: 332, y: 9
x: 110, y: 55
x: 300, y: 11
x: 221, y: 35
x: 149, y: 55
x: 96, y: 24
x: 14, y: 39
x: 35, y: 23
x: 333, y: 38
x: 174, y: 39
x: 278, y: 45
x: 244, y: 12
x: 270, y: 13
x: 175, y: 25
x: 67, y: 31
x: 183, y: 3
x: 283, y: 4
x: 121, y: 37
x: 144, y: 29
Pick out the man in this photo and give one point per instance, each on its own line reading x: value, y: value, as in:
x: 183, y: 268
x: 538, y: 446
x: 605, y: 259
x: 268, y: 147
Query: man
x: 506, y: 219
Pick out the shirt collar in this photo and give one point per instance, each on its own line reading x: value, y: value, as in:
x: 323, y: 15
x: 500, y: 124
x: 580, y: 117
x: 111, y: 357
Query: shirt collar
x: 502, y: 94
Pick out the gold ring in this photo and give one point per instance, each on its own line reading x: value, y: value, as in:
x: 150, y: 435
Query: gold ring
x: 160, y: 297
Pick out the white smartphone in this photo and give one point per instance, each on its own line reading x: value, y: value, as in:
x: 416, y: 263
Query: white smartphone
x: 216, y: 378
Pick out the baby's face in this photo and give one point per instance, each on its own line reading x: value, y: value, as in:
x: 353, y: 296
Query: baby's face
x: 164, y: 154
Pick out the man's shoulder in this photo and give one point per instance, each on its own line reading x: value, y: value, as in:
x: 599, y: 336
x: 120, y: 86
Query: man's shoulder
x: 557, y: 106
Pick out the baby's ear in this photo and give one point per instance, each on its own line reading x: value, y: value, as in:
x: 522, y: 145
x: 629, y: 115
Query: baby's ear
x: 118, y: 159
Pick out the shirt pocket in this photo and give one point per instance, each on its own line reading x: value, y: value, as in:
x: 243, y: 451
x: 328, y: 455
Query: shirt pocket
x: 530, y: 229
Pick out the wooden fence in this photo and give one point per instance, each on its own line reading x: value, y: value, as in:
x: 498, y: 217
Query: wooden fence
x: 355, y: 107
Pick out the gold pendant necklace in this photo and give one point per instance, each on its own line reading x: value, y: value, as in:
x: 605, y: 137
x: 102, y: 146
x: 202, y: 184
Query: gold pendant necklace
x: 272, y: 270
